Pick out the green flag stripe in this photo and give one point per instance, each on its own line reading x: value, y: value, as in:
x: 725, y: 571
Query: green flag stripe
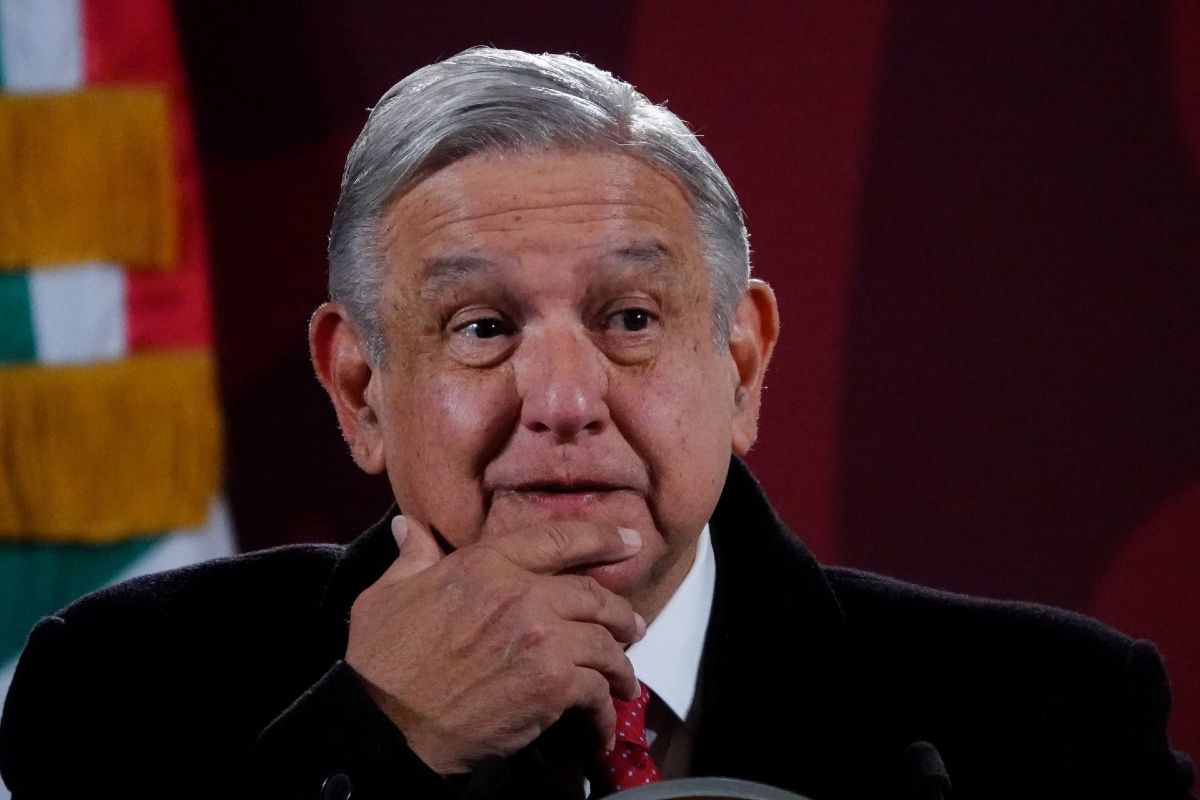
x: 38, y: 579
x: 17, y: 339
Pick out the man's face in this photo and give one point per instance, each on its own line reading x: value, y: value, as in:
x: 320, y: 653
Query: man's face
x: 551, y: 356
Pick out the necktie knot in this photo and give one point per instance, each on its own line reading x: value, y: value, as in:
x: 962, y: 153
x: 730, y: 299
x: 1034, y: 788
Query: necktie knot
x: 629, y: 763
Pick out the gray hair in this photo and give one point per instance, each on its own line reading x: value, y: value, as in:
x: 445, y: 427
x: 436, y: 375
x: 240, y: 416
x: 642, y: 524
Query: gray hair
x: 485, y: 99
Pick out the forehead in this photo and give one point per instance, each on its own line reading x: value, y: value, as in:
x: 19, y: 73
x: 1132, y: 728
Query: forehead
x: 546, y: 204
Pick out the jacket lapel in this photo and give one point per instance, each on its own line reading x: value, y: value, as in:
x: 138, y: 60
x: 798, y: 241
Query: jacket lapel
x: 781, y: 697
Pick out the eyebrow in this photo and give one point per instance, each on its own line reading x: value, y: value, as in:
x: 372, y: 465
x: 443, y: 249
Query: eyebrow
x: 442, y: 274
x: 653, y: 258
x: 446, y: 273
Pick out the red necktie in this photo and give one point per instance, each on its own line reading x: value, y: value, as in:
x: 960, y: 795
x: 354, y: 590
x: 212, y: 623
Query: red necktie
x: 629, y: 763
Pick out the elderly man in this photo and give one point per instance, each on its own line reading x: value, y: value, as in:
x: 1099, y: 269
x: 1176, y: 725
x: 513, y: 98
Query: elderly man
x: 542, y: 328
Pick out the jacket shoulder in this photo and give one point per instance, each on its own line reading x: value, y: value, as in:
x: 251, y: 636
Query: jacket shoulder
x: 995, y: 684
x: 886, y: 608
x: 287, y: 579
x: 190, y: 661
x: 999, y: 652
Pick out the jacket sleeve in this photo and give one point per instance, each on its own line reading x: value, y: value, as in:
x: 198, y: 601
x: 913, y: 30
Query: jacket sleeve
x: 334, y: 743
x: 79, y: 722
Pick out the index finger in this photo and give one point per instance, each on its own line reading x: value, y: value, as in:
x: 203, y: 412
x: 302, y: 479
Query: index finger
x: 548, y: 548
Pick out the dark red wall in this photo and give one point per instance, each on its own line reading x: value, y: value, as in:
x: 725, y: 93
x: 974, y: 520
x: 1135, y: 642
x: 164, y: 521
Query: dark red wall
x: 982, y: 222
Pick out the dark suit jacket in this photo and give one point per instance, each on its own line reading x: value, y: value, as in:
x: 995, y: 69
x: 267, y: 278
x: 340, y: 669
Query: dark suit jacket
x: 225, y: 680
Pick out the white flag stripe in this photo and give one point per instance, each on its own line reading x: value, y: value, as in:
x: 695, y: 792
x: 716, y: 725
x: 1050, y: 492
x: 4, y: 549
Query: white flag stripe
x: 41, y: 45
x: 213, y: 539
x: 78, y: 313
x: 6, y: 676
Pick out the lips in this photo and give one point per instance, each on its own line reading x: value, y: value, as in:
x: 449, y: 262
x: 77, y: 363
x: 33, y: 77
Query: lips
x: 565, y: 487
x: 524, y: 487
x: 606, y: 497
x: 568, y: 499
x: 557, y: 477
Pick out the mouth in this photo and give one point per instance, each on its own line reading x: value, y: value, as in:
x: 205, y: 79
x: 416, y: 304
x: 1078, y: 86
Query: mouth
x: 573, y: 487
x: 561, y: 499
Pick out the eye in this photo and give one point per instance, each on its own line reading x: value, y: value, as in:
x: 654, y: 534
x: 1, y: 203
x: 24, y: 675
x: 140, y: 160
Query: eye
x: 480, y: 337
x: 485, y: 328
x: 630, y: 319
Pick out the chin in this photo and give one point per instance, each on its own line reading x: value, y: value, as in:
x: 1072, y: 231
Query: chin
x: 625, y: 578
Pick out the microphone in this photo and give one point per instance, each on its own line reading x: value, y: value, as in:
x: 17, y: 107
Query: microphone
x: 927, y: 774
x: 715, y: 788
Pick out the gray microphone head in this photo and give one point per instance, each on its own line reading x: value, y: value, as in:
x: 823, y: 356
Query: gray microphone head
x: 720, y: 788
x: 926, y: 771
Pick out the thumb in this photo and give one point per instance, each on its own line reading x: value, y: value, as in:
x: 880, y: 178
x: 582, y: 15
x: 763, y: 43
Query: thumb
x: 418, y: 549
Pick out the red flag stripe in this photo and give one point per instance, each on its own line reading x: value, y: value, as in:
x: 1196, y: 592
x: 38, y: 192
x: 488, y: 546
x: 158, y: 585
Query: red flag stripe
x: 134, y: 42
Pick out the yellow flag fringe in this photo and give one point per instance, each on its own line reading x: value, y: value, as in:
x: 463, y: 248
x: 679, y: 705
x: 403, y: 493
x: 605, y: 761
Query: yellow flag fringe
x: 101, y: 453
x: 87, y: 175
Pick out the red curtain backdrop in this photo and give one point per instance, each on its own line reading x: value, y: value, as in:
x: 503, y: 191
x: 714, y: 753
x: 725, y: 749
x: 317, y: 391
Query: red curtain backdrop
x: 982, y: 222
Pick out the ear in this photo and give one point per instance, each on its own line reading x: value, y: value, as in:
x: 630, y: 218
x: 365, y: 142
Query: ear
x: 352, y: 383
x: 751, y: 339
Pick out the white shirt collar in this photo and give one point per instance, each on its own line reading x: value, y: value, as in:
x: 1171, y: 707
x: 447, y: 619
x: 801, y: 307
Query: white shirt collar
x: 667, y: 659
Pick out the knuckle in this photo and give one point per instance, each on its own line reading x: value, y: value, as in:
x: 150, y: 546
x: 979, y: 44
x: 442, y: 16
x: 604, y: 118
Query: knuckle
x: 557, y: 541
x: 603, y: 646
x: 589, y: 585
x: 500, y: 606
x: 553, y: 677
x: 508, y: 592
x: 597, y: 692
x: 534, y: 637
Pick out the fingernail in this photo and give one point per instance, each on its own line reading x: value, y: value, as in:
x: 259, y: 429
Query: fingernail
x: 632, y: 539
x: 399, y: 530
x: 612, y: 744
x: 641, y: 624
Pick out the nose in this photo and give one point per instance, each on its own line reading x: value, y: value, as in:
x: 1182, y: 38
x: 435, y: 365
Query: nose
x: 563, y: 384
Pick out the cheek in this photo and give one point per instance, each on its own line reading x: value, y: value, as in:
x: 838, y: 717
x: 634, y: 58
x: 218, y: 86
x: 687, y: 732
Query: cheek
x: 456, y: 424
x: 679, y: 419
x: 686, y: 405
x: 463, y: 412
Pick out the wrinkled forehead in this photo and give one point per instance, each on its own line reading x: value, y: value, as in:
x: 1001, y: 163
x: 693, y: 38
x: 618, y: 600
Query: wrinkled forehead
x: 595, y: 201
x: 513, y: 157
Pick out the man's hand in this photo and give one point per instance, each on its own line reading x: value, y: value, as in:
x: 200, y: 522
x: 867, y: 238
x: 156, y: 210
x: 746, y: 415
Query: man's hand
x: 476, y: 653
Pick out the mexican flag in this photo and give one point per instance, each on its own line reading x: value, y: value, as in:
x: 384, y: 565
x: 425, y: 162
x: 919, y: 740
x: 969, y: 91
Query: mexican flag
x: 110, y: 435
